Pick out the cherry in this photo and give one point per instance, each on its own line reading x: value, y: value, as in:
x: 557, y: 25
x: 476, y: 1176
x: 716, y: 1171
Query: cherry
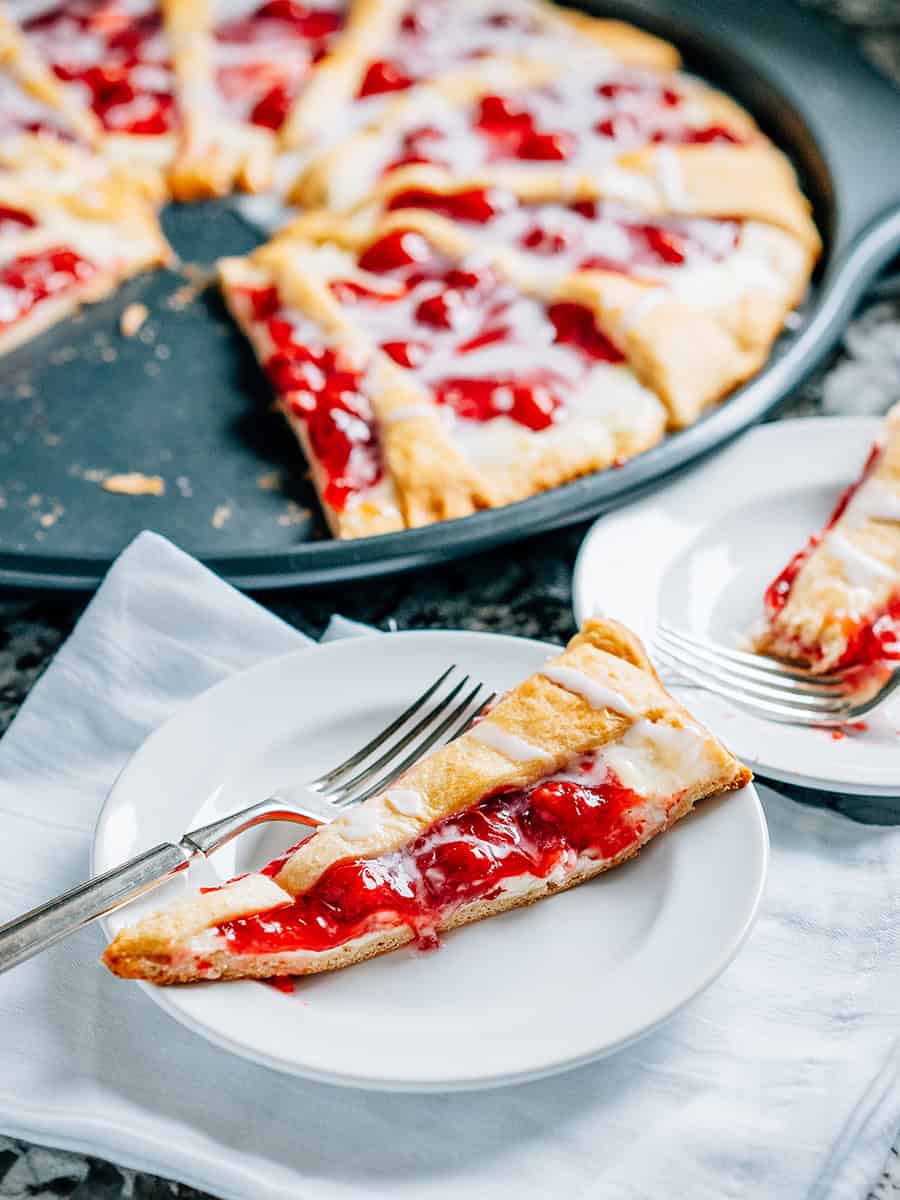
x: 664, y: 243
x: 475, y: 205
x: 576, y: 325
x: 585, y: 208
x: 264, y: 302
x: 453, y: 868
x: 546, y: 147
x: 497, y: 115
x: 396, y: 249
x: 16, y: 216
x: 545, y: 241
x: 407, y: 354
x: 713, y: 133
x: 441, y: 311
x: 272, y: 110
x: 383, y: 76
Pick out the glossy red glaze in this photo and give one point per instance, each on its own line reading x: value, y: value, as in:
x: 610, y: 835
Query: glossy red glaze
x: 461, y: 859
x: 531, y: 400
x: 397, y: 249
x: 16, y: 218
x: 406, y: 354
x: 324, y: 393
x: 384, y: 76
x: 31, y: 278
x: 576, y: 325
x: 272, y: 110
x: 474, y: 205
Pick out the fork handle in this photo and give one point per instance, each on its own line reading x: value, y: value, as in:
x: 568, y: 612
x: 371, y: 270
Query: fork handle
x: 49, y: 923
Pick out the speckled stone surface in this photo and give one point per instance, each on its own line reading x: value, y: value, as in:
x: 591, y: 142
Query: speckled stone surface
x: 522, y: 590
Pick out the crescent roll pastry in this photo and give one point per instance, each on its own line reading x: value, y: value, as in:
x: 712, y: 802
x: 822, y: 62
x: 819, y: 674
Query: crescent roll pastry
x: 567, y: 776
x: 425, y: 383
x: 530, y: 244
x: 71, y: 230
x: 837, y: 603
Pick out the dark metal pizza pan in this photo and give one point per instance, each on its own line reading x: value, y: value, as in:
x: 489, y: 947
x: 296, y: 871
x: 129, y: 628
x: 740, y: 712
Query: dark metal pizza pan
x: 184, y: 399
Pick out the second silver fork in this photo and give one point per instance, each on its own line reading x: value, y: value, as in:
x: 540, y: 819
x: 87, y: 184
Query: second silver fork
x: 776, y: 691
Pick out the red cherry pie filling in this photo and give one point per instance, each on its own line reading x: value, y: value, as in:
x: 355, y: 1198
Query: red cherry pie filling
x: 584, y: 235
x: 116, y: 57
x: 322, y: 390
x: 507, y: 839
x: 484, y: 349
x: 435, y: 35
x: 264, y: 56
x: 30, y: 279
x: 575, y: 121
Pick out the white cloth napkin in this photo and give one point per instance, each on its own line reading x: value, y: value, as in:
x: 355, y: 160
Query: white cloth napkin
x: 782, y: 1081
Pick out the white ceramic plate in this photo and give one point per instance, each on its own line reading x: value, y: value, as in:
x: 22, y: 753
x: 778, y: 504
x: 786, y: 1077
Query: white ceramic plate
x: 526, y: 994
x: 699, y: 555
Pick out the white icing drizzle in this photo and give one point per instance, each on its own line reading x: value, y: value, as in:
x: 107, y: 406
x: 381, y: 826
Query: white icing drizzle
x: 861, y: 569
x: 594, y: 693
x: 635, y: 313
x: 657, y: 759
x: 359, y: 825
x: 405, y: 802
x: 671, y: 180
x: 408, y: 412
x: 515, y: 748
x: 874, y: 501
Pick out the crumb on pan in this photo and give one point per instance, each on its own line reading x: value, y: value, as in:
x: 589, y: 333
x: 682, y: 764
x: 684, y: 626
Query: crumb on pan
x: 269, y: 481
x: 294, y: 514
x: 133, y: 483
x: 221, y: 515
x: 133, y: 318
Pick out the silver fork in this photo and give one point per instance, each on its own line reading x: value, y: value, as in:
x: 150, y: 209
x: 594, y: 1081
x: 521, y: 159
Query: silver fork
x: 314, y: 803
x: 789, y: 695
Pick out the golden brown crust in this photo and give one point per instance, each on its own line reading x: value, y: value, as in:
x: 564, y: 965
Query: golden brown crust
x: 215, y: 152
x: 628, y: 44
x: 552, y: 715
x: 754, y: 182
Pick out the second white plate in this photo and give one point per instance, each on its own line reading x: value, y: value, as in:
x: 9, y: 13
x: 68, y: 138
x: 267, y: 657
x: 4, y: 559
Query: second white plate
x: 514, y: 998
x: 699, y: 555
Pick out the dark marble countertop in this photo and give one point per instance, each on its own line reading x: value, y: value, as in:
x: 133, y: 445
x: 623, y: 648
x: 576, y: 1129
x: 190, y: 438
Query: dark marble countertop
x: 523, y: 590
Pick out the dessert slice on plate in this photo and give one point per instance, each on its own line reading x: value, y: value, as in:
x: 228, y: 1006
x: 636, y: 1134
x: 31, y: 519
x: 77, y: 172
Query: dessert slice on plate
x: 568, y: 775
x: 425, y: 382
x: 837, y: 603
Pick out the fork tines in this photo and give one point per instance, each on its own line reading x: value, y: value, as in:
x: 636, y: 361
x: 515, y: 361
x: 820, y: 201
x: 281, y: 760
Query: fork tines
x: 433, y: 717
x: 778, y: 692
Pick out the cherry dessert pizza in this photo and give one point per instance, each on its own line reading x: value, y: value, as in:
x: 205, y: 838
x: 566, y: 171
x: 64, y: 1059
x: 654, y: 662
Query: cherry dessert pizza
x: 837, y: 602
x: 569, y: 775
x: 531, y: 245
